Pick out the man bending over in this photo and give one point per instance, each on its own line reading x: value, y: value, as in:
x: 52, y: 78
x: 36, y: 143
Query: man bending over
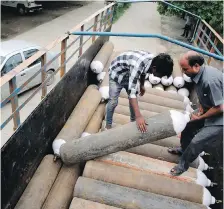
x: 128, y: 71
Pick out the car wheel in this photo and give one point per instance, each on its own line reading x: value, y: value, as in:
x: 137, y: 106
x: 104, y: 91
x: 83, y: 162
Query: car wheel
x: 51, y: 80
x: 21, y: 9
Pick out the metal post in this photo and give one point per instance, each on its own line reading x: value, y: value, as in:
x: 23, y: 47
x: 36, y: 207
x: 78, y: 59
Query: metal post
x: 14, y: 103
x: 81, y: 41
x: 106, y: 19
x: 212, y: 50
x: 101, y: 21
x: 63, y: 58
x: 43, y: 75
x: 210, y: 34
x: 112, y: 15
x: 196, y: 39
x: 195, y: 30
x: 202, y: 37
x: 95, y: 27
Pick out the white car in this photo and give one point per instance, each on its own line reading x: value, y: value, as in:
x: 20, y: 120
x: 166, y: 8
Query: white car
x: 23, y: 7
x: 13, y: 53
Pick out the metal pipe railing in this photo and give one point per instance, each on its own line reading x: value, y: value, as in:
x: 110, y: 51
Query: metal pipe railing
x: 195, y: 30
x: 151, y: 36
x: 209, y: 41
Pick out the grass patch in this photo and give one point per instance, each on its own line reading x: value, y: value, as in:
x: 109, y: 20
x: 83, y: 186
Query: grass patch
x: 119, y: 10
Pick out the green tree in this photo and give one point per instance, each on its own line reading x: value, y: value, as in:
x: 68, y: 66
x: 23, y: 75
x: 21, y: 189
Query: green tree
x: 119, y: 10
x: 210, y: 11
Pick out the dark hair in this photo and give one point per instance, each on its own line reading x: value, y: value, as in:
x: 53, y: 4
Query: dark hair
x: 195, y: 59
x: 163, y: 64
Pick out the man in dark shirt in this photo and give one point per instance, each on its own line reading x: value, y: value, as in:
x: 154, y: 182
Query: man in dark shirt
x: 206, y: 125
x: 128, y: 71
x: 187, y: 26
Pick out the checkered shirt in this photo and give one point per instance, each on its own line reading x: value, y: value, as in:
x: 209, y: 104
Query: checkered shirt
x: 130, y: 65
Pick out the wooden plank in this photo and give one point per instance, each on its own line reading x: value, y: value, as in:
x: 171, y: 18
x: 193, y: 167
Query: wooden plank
x: 14, y: 103
x: 43, y: 75
x: 7, y: 77
x: 63, y: 57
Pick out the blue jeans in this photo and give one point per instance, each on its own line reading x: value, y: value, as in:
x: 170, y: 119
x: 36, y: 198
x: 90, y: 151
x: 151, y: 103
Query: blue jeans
x: 114, y: 92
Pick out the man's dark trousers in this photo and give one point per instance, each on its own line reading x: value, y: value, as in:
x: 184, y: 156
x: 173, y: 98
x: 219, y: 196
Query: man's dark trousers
x: 196, y: 138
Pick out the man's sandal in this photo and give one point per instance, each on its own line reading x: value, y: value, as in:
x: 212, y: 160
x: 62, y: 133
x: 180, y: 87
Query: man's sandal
x: 176, y: 171
x: 175, y: 150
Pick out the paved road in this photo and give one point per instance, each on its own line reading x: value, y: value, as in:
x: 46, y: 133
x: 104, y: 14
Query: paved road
x: 139, y: 18
x: 13, y: 24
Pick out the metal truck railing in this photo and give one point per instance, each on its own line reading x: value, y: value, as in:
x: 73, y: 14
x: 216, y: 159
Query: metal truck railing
x: 208, y: 39
x: 100, y: 21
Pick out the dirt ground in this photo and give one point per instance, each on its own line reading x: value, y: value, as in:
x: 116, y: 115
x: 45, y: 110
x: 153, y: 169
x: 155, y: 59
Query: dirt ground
x: 12, y: 24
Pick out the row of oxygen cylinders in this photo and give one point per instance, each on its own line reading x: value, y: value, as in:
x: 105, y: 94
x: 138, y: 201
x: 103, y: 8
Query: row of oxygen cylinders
x: 100, y: 65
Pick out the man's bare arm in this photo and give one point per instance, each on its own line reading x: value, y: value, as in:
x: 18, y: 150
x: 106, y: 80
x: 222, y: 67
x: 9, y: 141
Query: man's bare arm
x: 212, y: 112
x: 139, y: 118
x: 134, y: 104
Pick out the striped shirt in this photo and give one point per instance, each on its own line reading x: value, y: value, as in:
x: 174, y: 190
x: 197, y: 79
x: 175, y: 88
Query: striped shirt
x: 131, y: 65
